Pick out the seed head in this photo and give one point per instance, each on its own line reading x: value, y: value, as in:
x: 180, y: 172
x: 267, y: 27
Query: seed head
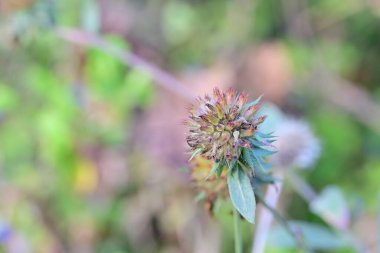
x: 220, y: 124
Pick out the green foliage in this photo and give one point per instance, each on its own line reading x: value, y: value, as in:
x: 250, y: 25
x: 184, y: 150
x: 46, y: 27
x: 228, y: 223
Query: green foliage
x: 335, y: 129
x: 267, y: 20
x: 368, y: 183
x: 179, y: 21
x: 105, y: 74
x: 241, y: 194
x: 8, y: 98
x: 249, y: 173
x: 332, y: 206
x: 316, y: 237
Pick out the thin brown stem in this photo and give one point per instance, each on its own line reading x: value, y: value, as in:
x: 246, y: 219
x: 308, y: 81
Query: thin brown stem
x: 162, y: 78
x: 265, y: 219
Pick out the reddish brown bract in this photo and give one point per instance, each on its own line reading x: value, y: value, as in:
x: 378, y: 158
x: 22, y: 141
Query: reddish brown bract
x: 220, y: 124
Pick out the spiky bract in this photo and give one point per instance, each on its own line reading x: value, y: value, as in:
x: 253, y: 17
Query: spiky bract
x: 221, y: 124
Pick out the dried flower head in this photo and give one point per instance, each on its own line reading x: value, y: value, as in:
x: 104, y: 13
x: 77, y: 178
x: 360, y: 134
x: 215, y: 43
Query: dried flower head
x: 222, y: 123
x: 223, y: 131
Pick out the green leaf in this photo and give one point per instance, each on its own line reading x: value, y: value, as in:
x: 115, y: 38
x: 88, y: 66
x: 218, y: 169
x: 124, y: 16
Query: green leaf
x: 262, y: 179
x: 241, y: 194
x: 248, y: 158
x: 258, y: 143
x: 260, y: 152
x: 332, y: 206
x: 195, y: 153
x: 217, y: 205
x: 316, y: 237
x: 265, y: 136
x: 219, y: 168
x: 255, y: 102
x: 216, y: 168
x: 255, y: 160
x: 260, y: 165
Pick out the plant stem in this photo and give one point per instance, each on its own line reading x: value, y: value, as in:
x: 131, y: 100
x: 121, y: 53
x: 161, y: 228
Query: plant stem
x: 237, y: 230
x: 265, y: 219
x: 378, y: 225
x: 129, y: 58
x: 301, y: 187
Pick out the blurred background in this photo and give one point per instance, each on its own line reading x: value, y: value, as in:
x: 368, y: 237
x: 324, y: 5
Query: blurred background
x: 93, y: 92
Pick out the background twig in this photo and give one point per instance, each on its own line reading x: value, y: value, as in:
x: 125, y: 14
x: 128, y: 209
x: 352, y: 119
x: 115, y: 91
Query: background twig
x: 162, y: 78
x: 265, y: 216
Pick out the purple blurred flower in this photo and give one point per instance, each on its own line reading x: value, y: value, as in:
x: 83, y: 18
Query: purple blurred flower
x: 5, y: 232
x: 297, y: 145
